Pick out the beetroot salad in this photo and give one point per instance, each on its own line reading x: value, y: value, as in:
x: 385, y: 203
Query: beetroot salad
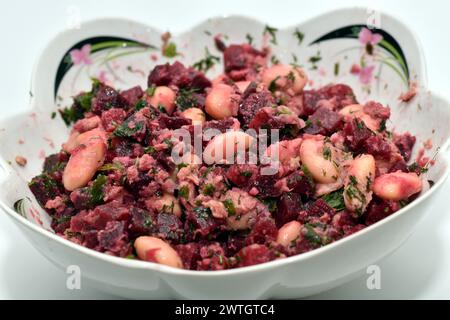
x: 246, y: 168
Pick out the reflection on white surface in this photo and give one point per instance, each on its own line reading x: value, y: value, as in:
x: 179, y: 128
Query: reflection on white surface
x: 418, y: 270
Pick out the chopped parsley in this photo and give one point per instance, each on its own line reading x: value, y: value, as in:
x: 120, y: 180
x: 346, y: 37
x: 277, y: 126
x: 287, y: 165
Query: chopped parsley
x: 229, y: 206
x: 327, y: 153
x: 207, y: 63
x: 170, y: 50
x: 272, y: 32
x: 184, y: 192
x: 249, y: 38
x: 299, y: 35
x: 335, y: 200
x: 273, y: 84
x: 208, y: 189
x: 186, y: 99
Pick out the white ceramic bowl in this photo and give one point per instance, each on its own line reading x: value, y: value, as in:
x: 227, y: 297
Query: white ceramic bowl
x: 55, y: 80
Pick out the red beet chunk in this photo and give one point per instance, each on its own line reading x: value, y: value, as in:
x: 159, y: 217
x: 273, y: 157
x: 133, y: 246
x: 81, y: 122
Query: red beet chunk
x: 114, y: 240
x: 132, y: 95
x: 333, y: 96
x: 378, y: 210
x: 235, y: 242
x: 238, y: 57
x: 177, y: 74
x: 255, y: 254
x: 378, y: 147
x: 377, y: 110
x: 356, y: 133
x: 189, y: 254
x: 263, y: 231
x: 200, y: 223
x: 316, y: 209
x: 45, y: 187
x: 212, y: 258
x: 265, y: 185
x: 172, y: 122
x: 99, y: 217
x: 324, y: 121
x: 299, y: 183
x: 107, y: 98
x: 142, y: 222
x: 405, y: 143
x: 169, y: 227
x: 253, y: 103
x: 112, y: 118
x: 289, y: 206
x: 56, y: 163
x: 240, y: 174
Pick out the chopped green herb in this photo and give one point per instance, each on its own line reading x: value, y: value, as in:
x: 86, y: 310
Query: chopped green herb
x: 272, y: 32
x: 312, y: 236
x: 249, y: 38
x: 53, y: 115
x: 229, y: 206
x: 184, y: 192
x: 314, y: 60
x: 97, y: 189
x: 336, y: 69
x: 151, y: 91
x: 207, y: 63
x: 335, y: 200
x: 246, y: 174
x: 124, y: 130
x: 181, y: 166
x: 111, y: 166
x: 208, y: 189
x: 186, y: 99
x: 274, y: 60
x: 273, y: 84
x: 327, y: 153
x: 299, y: 35
x: 149, y: 150
x: 140, y: 105
x: 170, y: 51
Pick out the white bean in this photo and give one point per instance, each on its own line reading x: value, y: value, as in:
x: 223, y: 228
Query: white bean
x: 221, y: 102
x: 85, y: 160
x: 358, y: 183
x: 226, y: 145
x: 156, y: 250
x: 289, y: 233
x: 286, y: 77
x: 163, y: 97
x: 397, y: 186
x: 320, y: 159
x: 196, y: 115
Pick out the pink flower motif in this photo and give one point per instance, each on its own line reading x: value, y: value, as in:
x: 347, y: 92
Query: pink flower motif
x: 367, y: 37
x: 81, y: 56
x: 365, y: 73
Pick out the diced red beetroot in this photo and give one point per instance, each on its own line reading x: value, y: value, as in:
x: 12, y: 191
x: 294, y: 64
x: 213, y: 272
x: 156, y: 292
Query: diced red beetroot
x: 177, y: 74
x: 221, y: 125
x: 169, y: 227
x: 255, y: 254
x: 377, y: 110
x: 241, y: 57
x: 378, y: 147
x: 142, y: 180
x: 81, y: 198
x: 212, y: 258
x: 356, y: 133
x: 45, y: 187
x: 263, y: 231
x: 324, y: 121
x: 405, y: 143
x: 200, y: 223
x: 106, y: 98
x: 299, y: 183
x: 112, y: 118
x: 265, y: 185
x: 114, y: 240
x: 235, y: 242
x: 377, y: 210
x: 240, y: 174
x: 289, y: 206
x: 399, y: 165
x: 142, y: 222
x: 352, y: 230
x: 99, y: 217
x: 55, y: 162
x: 254, y: 102
x: 316, y: 209
x: 189, y: 254
x: 336, y: 96
x: 172, y: 122
x: 132, y: 95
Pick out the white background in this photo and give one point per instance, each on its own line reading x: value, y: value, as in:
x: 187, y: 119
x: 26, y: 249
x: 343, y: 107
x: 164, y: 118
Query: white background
x: 418, y: 270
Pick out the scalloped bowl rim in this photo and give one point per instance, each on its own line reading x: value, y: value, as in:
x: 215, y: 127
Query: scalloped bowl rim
x: 144, y: 265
